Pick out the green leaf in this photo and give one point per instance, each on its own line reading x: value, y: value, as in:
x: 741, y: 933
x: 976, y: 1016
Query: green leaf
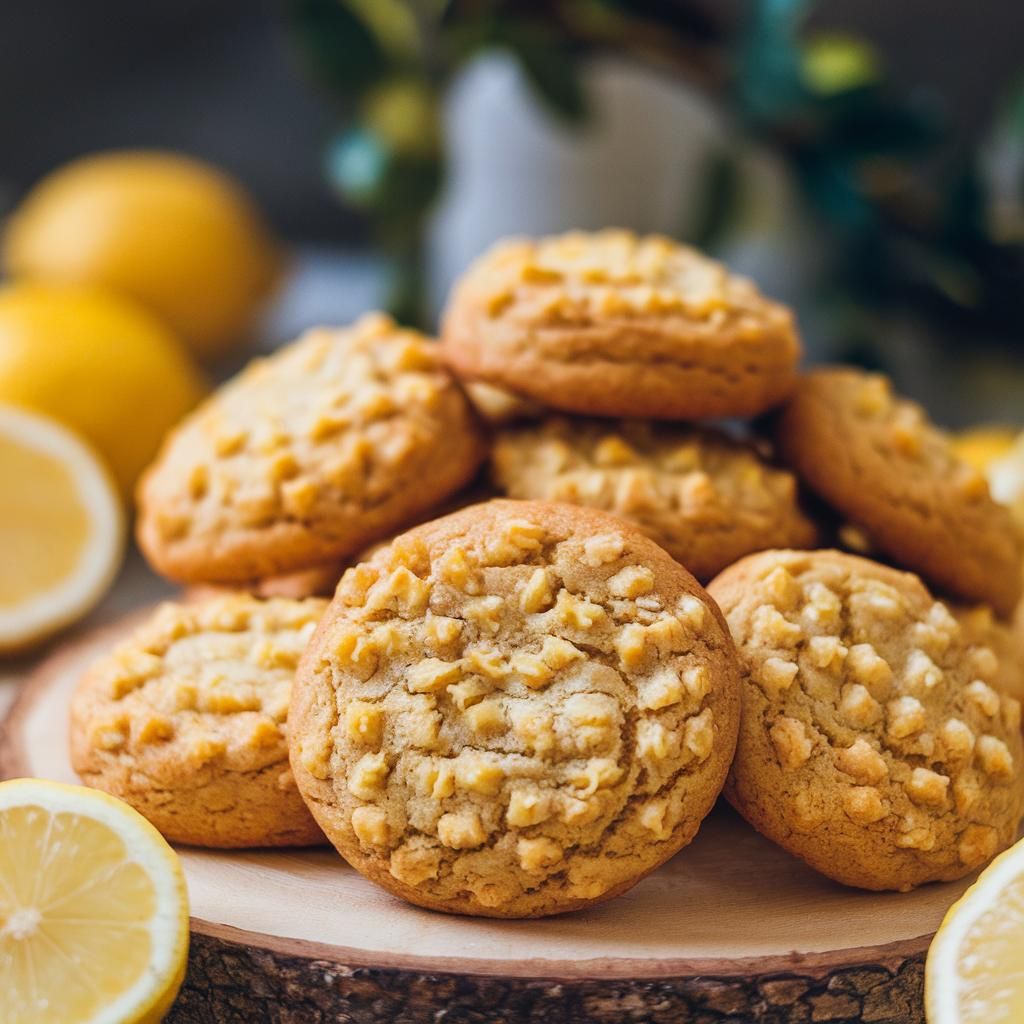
x: 831, y: 184
x: 550, y: 66
x: 770, y: 81
x: 343, y: 52
x: 719, y: 198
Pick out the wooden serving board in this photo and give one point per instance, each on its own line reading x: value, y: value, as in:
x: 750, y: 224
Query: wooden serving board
x: 730, y: 929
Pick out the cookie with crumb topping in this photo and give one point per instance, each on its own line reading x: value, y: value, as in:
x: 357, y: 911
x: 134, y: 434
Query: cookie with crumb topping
x: 874, y: 744
x: 513, y: 711
x: 705, y: 498
x: 611, y: 324
x: 879, y: 461
x: 307, y: 456
x: 186, y: 720
x: 983, y: 629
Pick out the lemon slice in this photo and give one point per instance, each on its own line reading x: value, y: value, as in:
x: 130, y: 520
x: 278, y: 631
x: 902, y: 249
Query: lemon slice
x: 93, y: 909
x: 61, y: 528
x: 975, y: 968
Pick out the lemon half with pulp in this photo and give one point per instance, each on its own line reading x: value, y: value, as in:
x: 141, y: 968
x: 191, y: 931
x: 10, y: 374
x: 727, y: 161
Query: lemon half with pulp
x: 61, y: 528
x: 93, y: 909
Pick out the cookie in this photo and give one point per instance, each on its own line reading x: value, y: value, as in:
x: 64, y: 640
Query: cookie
x: 705, y: 498
x: 496, y: 406
x: 318, y: 581
x: 308, y: 456
x: 881, y: 464
x: 982, y: 628
x: 609, y: 324
x: 516, y: 710
x: 187, y: 721
x: 873, y: 742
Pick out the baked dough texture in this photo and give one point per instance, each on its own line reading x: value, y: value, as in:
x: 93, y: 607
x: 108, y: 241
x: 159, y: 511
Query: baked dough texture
x: 516, y: 710
x: 317, y: 581
x: 611, y: 324
x: 338, y: 439
x: 187, y: 721
x: 883, y: 465
x: 874, y: 743
x: 983, y: 628
x: 704, y: 497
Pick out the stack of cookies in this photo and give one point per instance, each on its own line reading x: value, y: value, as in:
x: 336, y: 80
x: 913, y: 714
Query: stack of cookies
x: 525, y: 705
x: 608, y: 325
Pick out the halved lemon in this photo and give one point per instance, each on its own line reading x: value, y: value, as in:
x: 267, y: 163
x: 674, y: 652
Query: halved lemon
x: 93, y: 909
x: 975, y: 968
x: 61, y: 528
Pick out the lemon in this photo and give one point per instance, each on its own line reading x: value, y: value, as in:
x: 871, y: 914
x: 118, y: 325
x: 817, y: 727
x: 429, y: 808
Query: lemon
x: 980, y: 445
x: 61, y: 528
x: 93, y: 909
x: 1006, y: 478
x: 175, y: 234
x: 975, y: 968
x: 98, y: 363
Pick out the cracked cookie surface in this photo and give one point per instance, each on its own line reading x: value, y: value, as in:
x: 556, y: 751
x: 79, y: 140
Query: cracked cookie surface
x: 516, y: 710
x: 705, y: 498
x: 306, y: 456
x: 873, y: 744
x: 880, y: 462
x: 611, y: 324
x: 187, y: 721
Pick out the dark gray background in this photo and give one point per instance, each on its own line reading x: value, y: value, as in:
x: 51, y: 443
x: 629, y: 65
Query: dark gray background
x: 219, y: 79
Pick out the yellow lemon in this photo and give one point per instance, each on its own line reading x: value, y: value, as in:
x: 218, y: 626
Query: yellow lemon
x: 975, y: 968
x: 1006, y: 478
x: 61, y: 528
x: 93, y: 909
x: 175, y: 234
x: 980, y: 445
x: 99, y: 364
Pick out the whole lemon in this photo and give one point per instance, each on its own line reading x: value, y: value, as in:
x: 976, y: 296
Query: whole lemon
x: 98, y: 363
x: 175, y: 234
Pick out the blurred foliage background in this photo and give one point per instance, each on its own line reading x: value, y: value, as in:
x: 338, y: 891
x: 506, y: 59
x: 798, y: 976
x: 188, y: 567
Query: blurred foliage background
x: 907, y: 225
x: 899, y: 127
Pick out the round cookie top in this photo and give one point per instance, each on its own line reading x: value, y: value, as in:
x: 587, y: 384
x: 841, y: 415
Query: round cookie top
x: 615, y: 325
x: 187, y: 720
x: 306, y: 456
x: 705, y: 498
x: 880, y: 462
x: 515, y: 710
x: 873, y: 743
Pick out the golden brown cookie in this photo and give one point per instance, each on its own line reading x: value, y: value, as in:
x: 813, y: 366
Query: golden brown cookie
x: 873, y: 743
x: 495, y: 405
x: 705, y: 498
x: 317, y: 581
x: 306, y: 457
x: 884, y: 466
x: 187, y: 721
x: 609, y: 324
x: 983, y: 629
x: 516, y: 710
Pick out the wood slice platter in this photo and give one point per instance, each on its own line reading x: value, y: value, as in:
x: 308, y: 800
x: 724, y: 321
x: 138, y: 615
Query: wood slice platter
x: 731, y: 929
